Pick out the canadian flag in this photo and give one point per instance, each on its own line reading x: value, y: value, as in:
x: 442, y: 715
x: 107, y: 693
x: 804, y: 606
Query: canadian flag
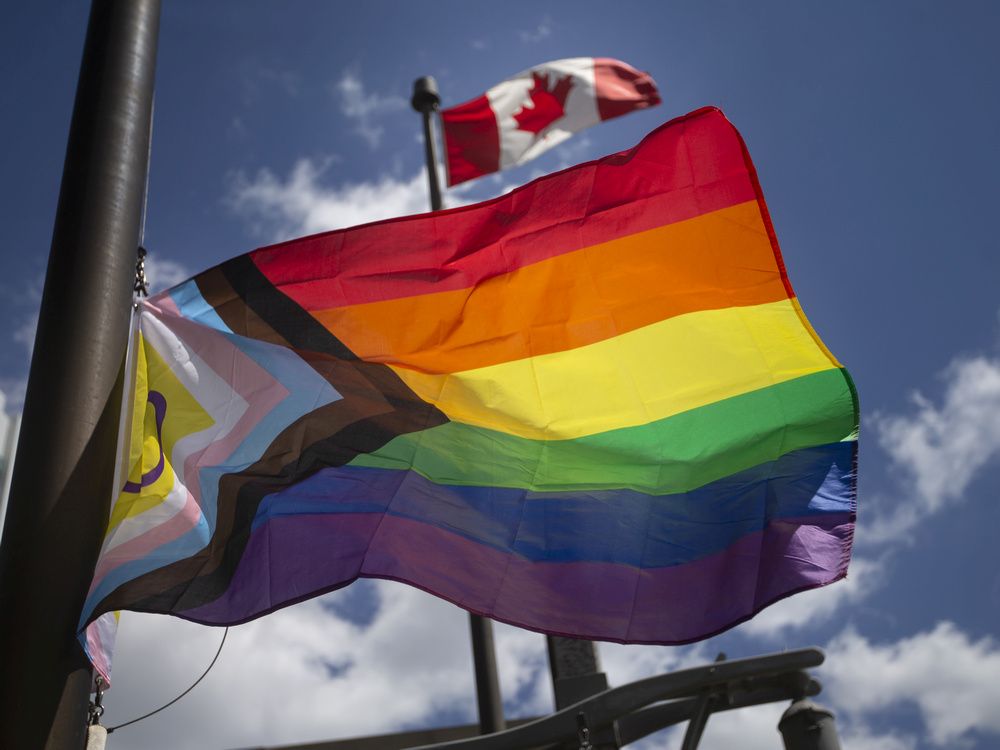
x: 521, y: 117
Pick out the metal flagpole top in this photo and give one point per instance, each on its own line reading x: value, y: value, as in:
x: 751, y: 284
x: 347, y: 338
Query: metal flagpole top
x: 425, y: 94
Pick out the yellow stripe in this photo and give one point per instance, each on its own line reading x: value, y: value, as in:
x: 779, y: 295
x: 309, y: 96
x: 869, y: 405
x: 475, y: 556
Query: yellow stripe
x: 185, y: 417
x: 812, y: 332
x: 647, y: 374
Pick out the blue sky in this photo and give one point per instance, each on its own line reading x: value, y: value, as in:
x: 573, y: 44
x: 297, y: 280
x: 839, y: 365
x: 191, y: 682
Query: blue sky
x: 873, y: 126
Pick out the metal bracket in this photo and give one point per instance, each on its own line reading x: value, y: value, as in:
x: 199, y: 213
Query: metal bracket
x: 603, y: 709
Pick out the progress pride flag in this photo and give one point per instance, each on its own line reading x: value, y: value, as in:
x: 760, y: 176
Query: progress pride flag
x: 521, y: 117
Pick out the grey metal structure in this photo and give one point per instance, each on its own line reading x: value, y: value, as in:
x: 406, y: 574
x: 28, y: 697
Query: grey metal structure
x: 617, y: 717
x: 575, y: 669
x: 808, y: 726
x: 64, y: 468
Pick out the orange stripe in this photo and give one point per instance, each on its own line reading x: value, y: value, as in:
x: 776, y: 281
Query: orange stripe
x: 716, y: 260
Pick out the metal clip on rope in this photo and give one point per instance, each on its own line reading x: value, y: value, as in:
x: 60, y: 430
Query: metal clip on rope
x: 583, y: 731
x: 96, y: 710
x: 141, y: 287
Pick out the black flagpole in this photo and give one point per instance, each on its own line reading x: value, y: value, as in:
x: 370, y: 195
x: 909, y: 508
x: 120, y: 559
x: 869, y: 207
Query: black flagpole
x: 426, y: 101
x: 64, y: 471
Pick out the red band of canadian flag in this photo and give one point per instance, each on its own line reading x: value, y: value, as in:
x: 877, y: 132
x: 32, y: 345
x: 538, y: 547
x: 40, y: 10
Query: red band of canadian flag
x: 527, y: 114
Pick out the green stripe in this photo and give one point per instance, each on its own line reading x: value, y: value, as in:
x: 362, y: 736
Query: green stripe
x: 675, y: 454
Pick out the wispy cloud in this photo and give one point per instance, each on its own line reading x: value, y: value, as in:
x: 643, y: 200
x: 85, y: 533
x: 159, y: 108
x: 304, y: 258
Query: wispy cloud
x: 308, y: 674
x: 861, y: 736
x: 539, y: 33
x: 24, y: 333
x: 817, y: 605
x: 13, y: 390
x: 949, y: 676
x: 164, y: 273
x: 25, y: 299
x: 300, y: 204
x: 365, y: 107
x: 626, y: 663
x: 757, y: 729
x: 259, y: 79
x: 237, y: 128
x: 287, y: 80
x: 939, y: 449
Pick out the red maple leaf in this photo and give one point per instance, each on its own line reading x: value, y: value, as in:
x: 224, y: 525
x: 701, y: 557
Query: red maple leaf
x: 545, y: 105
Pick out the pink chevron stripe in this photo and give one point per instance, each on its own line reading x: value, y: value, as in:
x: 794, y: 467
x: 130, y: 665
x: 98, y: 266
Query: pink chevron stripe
x: 100, y: 637
x: 141, y: 546
x: 250, y: 381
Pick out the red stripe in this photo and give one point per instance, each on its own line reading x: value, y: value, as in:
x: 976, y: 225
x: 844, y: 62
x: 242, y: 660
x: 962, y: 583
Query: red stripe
x: 621, y: 88
x: 690, y: 166
x: 471, y: 140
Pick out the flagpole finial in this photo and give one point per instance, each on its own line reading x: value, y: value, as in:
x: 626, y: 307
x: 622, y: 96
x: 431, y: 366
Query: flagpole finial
x: 425, y: 94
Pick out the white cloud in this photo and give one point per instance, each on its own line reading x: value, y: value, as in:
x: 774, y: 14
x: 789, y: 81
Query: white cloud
x: 365, y: 107
x: 862, y: 737
x: 258, y: 80
x: 575, y: 151
x: 301, y: 674
x: 756, y: 728
x: 237, y: 128
x: 164, y: 273
x: 747, y: 729
x: 817, y: 605
x: 24, y: 334
x: 624, y: 664
x: 26, y: 298
x: 947, y: 675
x: 523, y: 668
x: 542, y: 31
x: 286, y: 80
x: 300, y: 204
x: 13, y: 390
x: 939, y: 450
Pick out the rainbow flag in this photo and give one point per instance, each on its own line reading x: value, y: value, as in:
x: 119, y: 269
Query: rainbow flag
x: 590, y: 407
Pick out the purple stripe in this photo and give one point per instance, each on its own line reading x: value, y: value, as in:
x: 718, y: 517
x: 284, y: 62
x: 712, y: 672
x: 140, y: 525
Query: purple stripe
x: 159, y: 403
x: 669, y: 605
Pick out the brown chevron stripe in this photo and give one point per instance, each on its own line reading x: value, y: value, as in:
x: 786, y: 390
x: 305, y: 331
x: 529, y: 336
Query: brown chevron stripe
x: 376, y: 407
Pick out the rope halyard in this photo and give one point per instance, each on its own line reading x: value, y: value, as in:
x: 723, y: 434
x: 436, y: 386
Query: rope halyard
x: 193, y: 686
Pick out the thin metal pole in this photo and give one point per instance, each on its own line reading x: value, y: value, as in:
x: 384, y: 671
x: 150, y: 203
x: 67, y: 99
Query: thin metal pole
x: 484, y: 658
x: 426, y: 101
x: 63, y: 473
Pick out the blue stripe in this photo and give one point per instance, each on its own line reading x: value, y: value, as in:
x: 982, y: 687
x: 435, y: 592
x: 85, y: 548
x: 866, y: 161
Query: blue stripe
x: 307, y: 391
x: 192, y: 305
x: 620, y: 526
